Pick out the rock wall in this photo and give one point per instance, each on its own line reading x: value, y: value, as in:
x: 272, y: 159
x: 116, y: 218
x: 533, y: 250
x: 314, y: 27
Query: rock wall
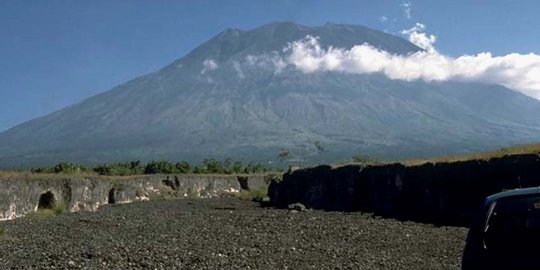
x: 441, y: 193
x: 21, y: 193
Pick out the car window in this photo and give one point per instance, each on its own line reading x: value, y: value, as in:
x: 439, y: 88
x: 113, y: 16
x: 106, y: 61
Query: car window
x: 512, y: 222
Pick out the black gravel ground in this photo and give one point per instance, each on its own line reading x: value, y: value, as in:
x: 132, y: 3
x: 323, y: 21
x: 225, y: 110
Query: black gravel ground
x: 223, y: 234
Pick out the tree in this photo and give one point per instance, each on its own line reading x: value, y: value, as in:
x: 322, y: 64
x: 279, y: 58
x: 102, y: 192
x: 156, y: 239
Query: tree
x: 237, y: 167
x: 318, y: 146
x: 284, y: 154
x: 164, y: 167
x: 68, y: 167
x: 213, y: 166
x: 227, y: 164
x: 136, y: 167
x: 255, y: 168
x: 183, y: 167
x: 125, y: 168
x: 198, y: 170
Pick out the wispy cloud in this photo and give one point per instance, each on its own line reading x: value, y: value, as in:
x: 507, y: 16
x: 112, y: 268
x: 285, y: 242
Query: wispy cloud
x: 520, y: 72
x: 406, y: 7
x: 273, y: 61
x: 208, y: 65
x: 238, y: 69
x: 383, y: 19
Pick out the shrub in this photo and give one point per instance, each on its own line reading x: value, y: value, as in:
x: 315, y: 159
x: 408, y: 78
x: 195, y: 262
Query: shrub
x: 184, y: 167
x: 56, y: 209
x: 42, y: 170
x: 199, y: 170
x: 59, y: 208
x: 68, y: 167
x: 255, y: 168
x: 237, y: 167
x: 62, y: 167
x: 213, y: 166
x: 164, y: 167
x: 126, y: 168
x: 256, y: 195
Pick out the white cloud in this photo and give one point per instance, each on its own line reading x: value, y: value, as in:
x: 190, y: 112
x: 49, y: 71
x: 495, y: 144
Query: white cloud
x: 516, y: 71
x: 520, y: 72
x: 208, y: 65
x: 406, y: 7
x: 383, y: 19
x: 418, y: 37
x: 238, y: 69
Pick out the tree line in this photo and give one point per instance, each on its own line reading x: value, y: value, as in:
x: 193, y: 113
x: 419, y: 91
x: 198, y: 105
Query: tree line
x: 208, y: 166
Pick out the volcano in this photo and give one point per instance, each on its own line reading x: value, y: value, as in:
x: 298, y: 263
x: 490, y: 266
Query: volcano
x: 235, y: 97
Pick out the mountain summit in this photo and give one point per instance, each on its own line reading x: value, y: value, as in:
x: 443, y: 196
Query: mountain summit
x: 235, y: 96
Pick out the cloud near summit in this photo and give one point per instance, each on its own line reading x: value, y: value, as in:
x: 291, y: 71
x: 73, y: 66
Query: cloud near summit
x: 520, y: 72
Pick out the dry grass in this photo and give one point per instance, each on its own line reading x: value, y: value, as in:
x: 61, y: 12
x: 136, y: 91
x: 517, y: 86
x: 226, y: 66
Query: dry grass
x: 29, y: 175
x: 11, y: 174
x: 513, y: 150
x: 19, y: 174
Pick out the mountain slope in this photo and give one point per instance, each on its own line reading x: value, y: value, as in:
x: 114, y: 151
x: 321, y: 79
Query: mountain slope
x: 232, y: 97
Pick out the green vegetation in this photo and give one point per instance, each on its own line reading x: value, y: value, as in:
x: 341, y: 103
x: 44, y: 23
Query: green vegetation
x: 156, y: 167
x: 125, y: 168
x: 184, y: 167
x: 63, y: 167
x: 49, y: 210
x: 208, y: 166
x: 59, y: 208
x: 256, y: 195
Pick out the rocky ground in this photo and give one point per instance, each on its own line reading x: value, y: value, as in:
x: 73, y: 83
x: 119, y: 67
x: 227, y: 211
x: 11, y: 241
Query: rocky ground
x: 222, y: 234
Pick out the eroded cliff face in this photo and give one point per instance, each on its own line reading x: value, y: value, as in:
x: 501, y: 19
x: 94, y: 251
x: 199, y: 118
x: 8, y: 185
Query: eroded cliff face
x: 24, y: 193
x: 441, y: 193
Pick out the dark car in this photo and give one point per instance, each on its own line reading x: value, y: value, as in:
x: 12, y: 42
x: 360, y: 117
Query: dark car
x: 506, y: 234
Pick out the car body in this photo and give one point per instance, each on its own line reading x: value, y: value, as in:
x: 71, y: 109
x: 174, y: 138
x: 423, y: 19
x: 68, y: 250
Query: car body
x: 506, y: 233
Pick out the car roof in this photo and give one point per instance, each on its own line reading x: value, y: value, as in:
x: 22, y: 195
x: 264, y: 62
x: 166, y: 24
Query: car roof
x: 512, y: 193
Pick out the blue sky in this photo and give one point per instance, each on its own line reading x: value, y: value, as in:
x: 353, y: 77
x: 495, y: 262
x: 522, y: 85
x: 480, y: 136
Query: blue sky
x: 55, y: 53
